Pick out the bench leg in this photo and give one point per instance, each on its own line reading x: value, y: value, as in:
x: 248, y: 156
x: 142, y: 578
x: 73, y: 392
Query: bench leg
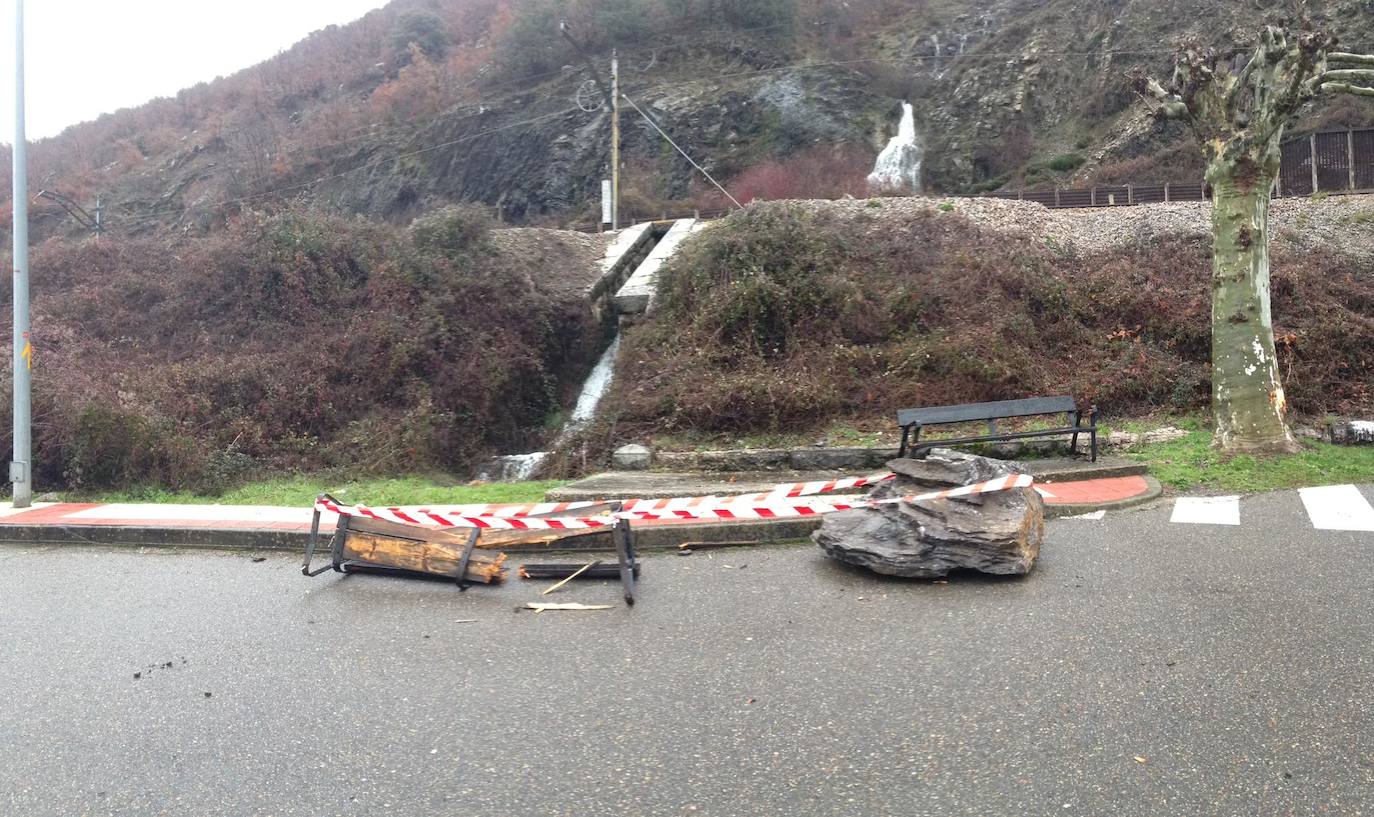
x: 1092, y: 420
x: 1077, y: 421
x: 463, y: 562
x: 622, y: 535
x: 339, y: 533
x: 310, y: 546
x: 906, y: 433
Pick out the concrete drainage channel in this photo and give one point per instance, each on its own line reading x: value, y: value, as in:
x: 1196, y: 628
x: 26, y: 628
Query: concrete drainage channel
x: 623, y: 293
x: 629, y: 250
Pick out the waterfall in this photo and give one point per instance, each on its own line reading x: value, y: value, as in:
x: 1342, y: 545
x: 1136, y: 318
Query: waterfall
x: 513, y: 467
x: 593, y: 390
x: 899, y: 165
x: 519, y: 467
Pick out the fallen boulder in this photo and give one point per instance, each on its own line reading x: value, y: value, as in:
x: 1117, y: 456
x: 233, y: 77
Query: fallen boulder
x: 996, y: 533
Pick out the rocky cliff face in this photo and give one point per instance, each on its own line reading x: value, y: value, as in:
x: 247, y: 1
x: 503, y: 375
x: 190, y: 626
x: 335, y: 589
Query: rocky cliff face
x: 1007, y: 93
x: 1033, y: 92
x: 553, y: 167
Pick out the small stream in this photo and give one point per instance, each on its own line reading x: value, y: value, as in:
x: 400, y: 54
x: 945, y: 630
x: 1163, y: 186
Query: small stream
x: 520, y: 467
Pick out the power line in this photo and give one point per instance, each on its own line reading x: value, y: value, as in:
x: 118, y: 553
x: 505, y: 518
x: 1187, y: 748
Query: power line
x: 665, y: 135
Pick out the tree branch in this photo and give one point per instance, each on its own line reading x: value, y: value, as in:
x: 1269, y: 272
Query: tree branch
x: 1242, y: 79
x: 1170, y: 105
x: 1344, y: 74
x: 1358, y: 59
x: 1347, y: 88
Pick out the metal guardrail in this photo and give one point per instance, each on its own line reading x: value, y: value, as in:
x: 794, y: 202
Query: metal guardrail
x: 1118, y: 195
x: 1338, y: 161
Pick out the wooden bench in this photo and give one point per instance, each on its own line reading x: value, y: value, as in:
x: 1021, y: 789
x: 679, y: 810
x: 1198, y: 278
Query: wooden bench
x: 913, y: 420
x: 362, y: 544
x: 368, y: 545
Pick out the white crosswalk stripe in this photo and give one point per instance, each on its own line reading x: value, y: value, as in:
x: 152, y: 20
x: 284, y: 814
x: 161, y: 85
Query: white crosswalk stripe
x: 1338, y: 507
x: 1207, y: 510
x: 1329, y: 507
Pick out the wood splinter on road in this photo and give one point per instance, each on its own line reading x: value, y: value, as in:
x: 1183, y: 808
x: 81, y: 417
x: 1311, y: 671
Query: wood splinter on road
x: 580, y: 571
x: 714, y: 545
x: 540, y: 607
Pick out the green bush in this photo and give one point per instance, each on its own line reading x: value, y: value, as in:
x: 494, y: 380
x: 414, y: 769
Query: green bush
x: 453, y: 231
x: 422, y: 29
x: 762, y: 281
x: 1065, y: 162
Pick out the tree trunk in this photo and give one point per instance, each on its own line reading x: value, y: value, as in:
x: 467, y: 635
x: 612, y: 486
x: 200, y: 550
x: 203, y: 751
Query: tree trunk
x: 1247, y: 397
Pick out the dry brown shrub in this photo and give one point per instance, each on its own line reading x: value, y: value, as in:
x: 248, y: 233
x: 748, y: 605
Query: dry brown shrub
x: 785, y: 319
x: 294, y: 341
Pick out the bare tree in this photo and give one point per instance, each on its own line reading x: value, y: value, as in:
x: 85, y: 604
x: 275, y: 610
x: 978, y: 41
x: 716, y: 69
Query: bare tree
x: 1237, y: 106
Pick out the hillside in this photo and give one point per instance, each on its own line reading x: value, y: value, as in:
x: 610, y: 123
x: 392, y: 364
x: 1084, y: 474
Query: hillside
x: 304, y: 342
x: 797, y: 316
x: 430, y: 102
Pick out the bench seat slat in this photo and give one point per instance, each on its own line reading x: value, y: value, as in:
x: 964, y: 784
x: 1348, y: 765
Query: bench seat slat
x: 937, y: 415
x: 1018, y: 435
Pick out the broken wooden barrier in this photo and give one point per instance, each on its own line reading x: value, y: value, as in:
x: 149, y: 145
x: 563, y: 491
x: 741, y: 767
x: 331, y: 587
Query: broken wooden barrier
x: 563, y: 571
x: 626, y: 567
x: 361, y: 544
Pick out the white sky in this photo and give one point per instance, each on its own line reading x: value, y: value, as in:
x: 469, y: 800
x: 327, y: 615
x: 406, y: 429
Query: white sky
x: 88, y: 57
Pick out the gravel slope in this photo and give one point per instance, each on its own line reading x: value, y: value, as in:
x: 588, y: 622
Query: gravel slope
x: 1347, y: 222
x: 563, y: 262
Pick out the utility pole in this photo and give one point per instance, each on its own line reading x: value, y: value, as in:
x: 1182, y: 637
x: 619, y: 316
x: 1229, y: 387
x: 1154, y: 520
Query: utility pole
x: 611, y: 96
x: 615, y: 141
x: 21, y: 472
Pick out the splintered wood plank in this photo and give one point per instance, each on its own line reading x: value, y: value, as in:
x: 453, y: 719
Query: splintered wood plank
x: 579, y: 572
x: 539, y: 607
x: 496, y: 539
x: 436, y: 558
x: 486, y: 540
x: 457, y: 536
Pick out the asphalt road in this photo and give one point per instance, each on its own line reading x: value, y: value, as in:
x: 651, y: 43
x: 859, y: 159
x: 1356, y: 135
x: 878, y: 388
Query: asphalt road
x: 1144, y: 668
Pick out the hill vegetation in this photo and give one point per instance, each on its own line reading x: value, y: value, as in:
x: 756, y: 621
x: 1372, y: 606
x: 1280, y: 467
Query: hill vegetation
x: 302, y: 342
x: 793, y: 316
x: 286, y: 284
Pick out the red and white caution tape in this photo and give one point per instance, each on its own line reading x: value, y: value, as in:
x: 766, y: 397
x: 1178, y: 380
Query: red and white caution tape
x: 451, y: 520
x: 815, y: 507
x: 791, y: 490
x: 521, y: 511
x: 735, y: 509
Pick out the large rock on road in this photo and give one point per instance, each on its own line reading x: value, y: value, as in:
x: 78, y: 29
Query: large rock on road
x: 992, y: 533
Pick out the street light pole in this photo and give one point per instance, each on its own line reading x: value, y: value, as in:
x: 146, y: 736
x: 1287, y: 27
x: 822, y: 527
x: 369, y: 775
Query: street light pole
x: 21, y: 472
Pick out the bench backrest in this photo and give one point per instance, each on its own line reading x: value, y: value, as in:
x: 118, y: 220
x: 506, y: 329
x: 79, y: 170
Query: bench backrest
x: 935, y: 415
